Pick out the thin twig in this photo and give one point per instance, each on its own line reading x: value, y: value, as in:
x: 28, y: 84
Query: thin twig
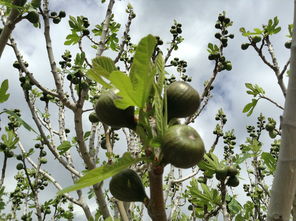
x: 3, y: 170
x: 125, y: 36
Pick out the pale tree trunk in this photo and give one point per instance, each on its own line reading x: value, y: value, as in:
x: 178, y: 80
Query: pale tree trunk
x: 284, y: 183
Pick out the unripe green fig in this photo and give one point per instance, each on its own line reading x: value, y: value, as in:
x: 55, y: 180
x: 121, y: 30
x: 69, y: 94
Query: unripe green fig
x: 93, y: 117
x: 20, y: 166
x: 62, y: 14
x: 270, y: 127
x: 245, y: 46
x: 232, y: 171
x: 232, y: 181
x: 221, y: 173
x: 43, y: 160
x: 288, y: 44
x: 182, y: 146
x: 228, y: 66
x: 272, y: 134
x: 256, y: 39
x: 127, y: 186
x: 182, y: 100
x: 56, y: 20
x: 19, y: 157
x: 111, y: 115
x: 33, y: 17
x: 190, y: 207
x: 9, y: 154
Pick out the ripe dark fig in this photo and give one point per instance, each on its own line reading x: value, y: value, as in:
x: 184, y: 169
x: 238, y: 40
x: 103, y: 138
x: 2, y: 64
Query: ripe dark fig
x: 127, y: 186
x: 182, y: 146
x: 111, y: 115
x: 182, y: 100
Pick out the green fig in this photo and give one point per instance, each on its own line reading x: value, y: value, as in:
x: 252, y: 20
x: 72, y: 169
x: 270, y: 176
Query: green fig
x: 182, y: 146
x: 127, y: 186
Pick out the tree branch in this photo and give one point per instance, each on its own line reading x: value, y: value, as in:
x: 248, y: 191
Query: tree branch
x: 101, y: 47
x: 13, y: 18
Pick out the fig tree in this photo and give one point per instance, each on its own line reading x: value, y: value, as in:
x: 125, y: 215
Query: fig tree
x: 127, y: 186
x: 111, y: 115
x: 182, y: 146
x: 182, y: 100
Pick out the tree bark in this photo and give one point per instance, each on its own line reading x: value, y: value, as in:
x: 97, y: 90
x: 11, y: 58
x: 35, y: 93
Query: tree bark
x: 11, y: 21
x: 156, y: 205
x: 284, y: 183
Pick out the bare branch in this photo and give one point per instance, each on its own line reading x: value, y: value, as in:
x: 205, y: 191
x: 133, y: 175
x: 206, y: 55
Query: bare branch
x: 106, y: 23
x: 125, y: 35
x: 26, y: 71
x: 3, y: 170
x: 52, y: 62
x: 46, y: 141
x: 270, y: 100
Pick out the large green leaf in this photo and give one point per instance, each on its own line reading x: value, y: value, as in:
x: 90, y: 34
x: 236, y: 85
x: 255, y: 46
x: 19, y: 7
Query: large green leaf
x: 129, y: 96
x: 142, y: 73
x: 3, y: 89
x: 101, y: 173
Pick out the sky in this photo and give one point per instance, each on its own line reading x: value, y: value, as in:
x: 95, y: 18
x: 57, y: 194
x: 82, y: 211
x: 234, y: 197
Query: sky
x: 155, y: 17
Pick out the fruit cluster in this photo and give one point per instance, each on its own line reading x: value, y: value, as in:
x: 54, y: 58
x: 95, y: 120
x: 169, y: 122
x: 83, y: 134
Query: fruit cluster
x: 181, y: 145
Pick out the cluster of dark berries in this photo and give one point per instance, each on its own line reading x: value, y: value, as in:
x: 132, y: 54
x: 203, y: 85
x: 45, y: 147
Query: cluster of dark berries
x: 56, y: 18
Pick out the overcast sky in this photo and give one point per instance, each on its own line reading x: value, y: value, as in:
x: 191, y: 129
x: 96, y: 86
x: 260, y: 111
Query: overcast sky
x: 155, y: 17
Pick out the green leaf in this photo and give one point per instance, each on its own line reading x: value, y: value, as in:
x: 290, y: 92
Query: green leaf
x: 242, y: 158
x: 209, y: 163
x: 250, y: 107
x: 3, y: 89
x: 10, y: 139
x: 79, y: 59
x: 64, y: 147
x: 72, y: 39
x: 101, y: 68
x: 141, y: 73
x: 129, y: 97
x: 234, y: 206
x: 269, y: 161
x: 101, y: 173
x: 20, y: 120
